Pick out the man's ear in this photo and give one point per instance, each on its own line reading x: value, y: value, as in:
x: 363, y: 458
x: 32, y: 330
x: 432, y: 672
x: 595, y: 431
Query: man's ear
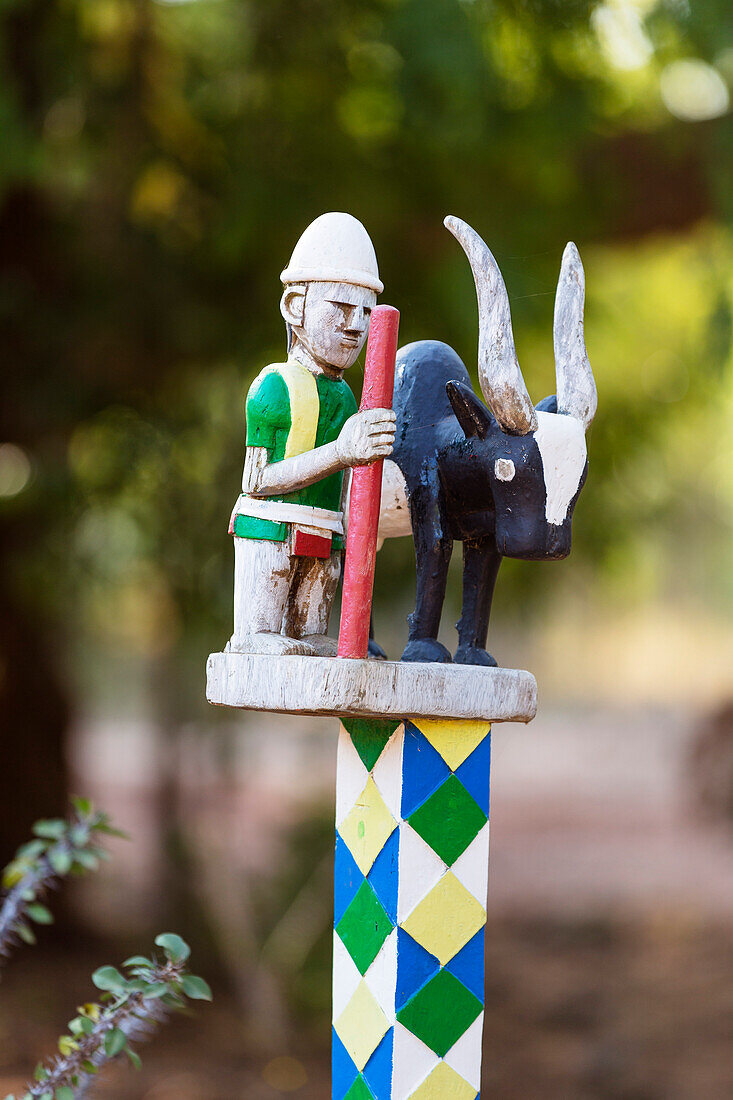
x: 292, y: 304
x: 472, y: 414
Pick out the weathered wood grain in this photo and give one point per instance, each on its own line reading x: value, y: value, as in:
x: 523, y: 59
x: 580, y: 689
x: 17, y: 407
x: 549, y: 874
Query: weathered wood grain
x: 296, y: 684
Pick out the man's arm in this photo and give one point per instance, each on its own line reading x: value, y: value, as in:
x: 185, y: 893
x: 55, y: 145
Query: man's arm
x: 365, y: 437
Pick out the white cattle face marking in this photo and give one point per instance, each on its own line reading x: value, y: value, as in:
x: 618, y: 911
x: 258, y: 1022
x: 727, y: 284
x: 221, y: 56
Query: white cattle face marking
x: 504, y: 469
x: 561, y: 443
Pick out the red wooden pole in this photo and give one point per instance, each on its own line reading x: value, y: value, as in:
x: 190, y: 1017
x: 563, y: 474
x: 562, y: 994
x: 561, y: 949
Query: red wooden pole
x: 366, y: 491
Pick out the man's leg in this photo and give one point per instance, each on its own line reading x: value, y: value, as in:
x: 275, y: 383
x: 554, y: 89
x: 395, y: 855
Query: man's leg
x: 309, y: 607
x: 263, y: 574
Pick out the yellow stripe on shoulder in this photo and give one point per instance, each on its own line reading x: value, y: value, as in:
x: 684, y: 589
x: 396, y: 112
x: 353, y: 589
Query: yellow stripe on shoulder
x: 304, y: 407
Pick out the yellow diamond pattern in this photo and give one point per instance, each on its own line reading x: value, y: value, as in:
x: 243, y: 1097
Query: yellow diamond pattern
x: 361, y: 1026
x: 444, y: 1084
x: 446, y: 919
x: 367, y: 827
x: 455, y: 740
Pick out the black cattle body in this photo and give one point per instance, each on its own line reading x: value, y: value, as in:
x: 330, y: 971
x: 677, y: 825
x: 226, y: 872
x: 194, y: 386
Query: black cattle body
x: 501, y: 477
x: 467, y: 480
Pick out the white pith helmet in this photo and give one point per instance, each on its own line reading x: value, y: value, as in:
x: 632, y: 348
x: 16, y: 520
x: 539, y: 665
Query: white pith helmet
x: 335, y: 248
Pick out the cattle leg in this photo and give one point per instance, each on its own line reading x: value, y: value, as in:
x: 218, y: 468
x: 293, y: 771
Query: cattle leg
x: 481, y: 563
x: 433, y: 548
x: 375, y: 650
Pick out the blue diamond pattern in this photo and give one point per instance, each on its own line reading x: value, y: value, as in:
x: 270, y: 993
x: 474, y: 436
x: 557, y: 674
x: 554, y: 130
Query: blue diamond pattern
x: 347, y: 880
x: 384, y: 875
x: 474, y: 773
x: 468, y: 965
x: 415, y: 967
x: 423, y: 769
x: 378, y: 1071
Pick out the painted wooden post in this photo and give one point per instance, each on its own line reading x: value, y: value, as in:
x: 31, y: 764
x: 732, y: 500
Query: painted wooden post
x: 411, y: 874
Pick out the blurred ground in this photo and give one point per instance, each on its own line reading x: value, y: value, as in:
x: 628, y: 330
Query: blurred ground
x: 593, y: 813
x: 610, y: 941
x: 577, y: 1009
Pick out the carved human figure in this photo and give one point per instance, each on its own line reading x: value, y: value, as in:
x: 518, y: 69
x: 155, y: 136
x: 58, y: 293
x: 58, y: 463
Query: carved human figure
x: 303, y: 432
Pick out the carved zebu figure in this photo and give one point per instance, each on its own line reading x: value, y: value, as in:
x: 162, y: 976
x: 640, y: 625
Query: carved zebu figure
x: 504, y: 480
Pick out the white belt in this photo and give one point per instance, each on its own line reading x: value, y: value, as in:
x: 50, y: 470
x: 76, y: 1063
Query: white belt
x: 279, y: 511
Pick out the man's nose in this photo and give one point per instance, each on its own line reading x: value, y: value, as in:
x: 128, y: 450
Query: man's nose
x: 356, y: 320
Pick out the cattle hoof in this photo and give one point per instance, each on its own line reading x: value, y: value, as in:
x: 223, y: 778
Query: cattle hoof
x: 473, y: 655
x: 375, y: 651
x: 426, y: 650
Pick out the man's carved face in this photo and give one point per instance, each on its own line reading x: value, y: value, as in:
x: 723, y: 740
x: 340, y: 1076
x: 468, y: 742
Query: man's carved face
x: 330, y: 320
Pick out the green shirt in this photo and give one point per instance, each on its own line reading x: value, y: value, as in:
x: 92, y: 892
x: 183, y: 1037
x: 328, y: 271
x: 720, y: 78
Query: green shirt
x: 283, y: 417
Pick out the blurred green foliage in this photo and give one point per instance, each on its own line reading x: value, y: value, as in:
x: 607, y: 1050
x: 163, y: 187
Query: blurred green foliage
x: 160, y: 160
x: 131, y: 1007
x: 59, y: 848
x: 132, y: 1004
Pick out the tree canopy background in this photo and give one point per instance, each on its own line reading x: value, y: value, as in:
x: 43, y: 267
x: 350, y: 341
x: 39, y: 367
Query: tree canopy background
x: 159, y: 160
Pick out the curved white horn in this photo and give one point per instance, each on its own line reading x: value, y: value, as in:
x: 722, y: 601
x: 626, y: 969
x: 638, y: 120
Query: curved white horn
x: 498, y: 368
x: 576, y: 387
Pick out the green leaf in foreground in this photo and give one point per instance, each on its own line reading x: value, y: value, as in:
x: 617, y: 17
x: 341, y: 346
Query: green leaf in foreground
x: 115, y: 1041
x: 39, y: 914
x: 196, y: 988
x: 175, y: 948
x: 108, y: 979
x: 144, y: 995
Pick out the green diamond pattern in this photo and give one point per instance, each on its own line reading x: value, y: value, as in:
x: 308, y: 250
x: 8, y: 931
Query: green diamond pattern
x: 364, y: 927
x: 359, y: 1091
x: 449, y: 820
x: 440, y: 1012
x: 369, y: 736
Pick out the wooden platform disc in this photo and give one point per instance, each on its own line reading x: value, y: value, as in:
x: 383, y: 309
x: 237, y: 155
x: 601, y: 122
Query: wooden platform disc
x: 375, y: 689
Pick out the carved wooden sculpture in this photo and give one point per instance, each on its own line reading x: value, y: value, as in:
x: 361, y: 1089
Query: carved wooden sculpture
x: 503, y: 479
x: 412, y: 792
x: 303, y: 431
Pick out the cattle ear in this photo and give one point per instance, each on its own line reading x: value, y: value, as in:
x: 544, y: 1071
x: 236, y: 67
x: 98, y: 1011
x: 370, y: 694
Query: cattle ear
x: 472, y: 414
x: 547, y: 404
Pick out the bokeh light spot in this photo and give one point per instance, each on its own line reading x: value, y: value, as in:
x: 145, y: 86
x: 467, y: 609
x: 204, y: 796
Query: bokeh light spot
x: 64, y: 119
x: 15, y: 470
x: 370, y: 113
x: 285, y: 1074
x: 620, y: 29
x: 367, y: 58
x: 694, y: 91
x: 109, y: 20
x: 157, y: 192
